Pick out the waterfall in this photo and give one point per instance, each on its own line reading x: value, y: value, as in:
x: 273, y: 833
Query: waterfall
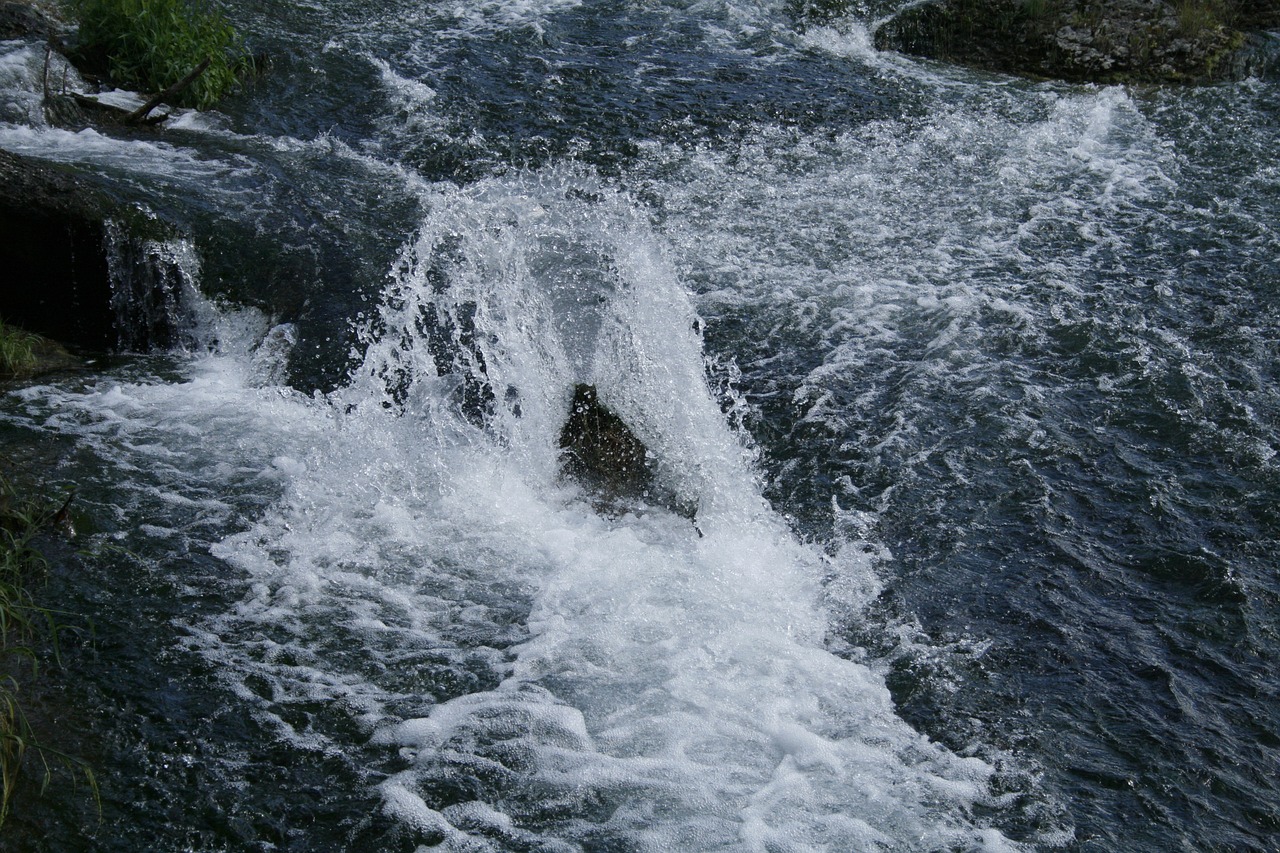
x: 947, y: 399
x: 155, y: 298
x: 667, y: 686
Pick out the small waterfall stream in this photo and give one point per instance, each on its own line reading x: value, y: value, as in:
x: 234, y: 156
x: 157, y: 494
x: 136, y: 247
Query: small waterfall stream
x: 956, y: 392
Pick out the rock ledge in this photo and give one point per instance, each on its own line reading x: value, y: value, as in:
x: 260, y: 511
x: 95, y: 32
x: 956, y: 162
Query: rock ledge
x: 1122, y: 41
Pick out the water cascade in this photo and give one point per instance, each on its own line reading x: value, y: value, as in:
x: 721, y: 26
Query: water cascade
x: 944, y: 402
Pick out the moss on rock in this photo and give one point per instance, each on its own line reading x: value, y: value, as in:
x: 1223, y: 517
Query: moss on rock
x: 24, y: 354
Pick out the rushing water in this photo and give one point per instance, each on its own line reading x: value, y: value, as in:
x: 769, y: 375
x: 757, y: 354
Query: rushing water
x: 969, y: 383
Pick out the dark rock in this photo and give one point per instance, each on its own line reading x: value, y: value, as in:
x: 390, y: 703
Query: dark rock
x: 52, y: 356
x: 1257, y: 15
x: 602, y: 453
x: 65, y: 111
x: 27, y: 20
x: 52, y: 254
x: 599, y: 451
x: 55, y: 254
x: 1123, y: 41
x: 46, y: 357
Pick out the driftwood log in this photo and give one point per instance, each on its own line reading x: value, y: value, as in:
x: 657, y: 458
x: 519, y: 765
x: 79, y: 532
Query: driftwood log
x: 141, y: 115
x: 173, y: 91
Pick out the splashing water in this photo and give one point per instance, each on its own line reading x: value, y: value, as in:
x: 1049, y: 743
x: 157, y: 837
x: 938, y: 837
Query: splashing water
x: 640, y: 682
x: 1017, y: 333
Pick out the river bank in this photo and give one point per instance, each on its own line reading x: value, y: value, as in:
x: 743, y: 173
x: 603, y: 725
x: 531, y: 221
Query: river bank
x: 1133, y: 41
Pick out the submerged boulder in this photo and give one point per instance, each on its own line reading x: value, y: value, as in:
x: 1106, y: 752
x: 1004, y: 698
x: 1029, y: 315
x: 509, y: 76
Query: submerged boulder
x: 599, y: 451
x: 1121, y: 41
x: 602, y: 453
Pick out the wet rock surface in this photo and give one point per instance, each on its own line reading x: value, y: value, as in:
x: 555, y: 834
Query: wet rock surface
x: 601, y: 452
x: 1127, y: 41
x: 28, y: 20
x: 52, y: 254
x: 62, y: 235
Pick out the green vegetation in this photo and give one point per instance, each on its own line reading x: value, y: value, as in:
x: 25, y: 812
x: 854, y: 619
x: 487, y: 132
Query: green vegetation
x: 17, y: 351
x: 23, y: 622
x: 1196, y: 17
x: 151, y: 45
x: 24, y: 354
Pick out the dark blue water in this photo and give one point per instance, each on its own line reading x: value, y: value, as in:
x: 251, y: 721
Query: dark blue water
x: 972, y: 380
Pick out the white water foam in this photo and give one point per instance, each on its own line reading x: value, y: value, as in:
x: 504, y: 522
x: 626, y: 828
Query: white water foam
x: 629, y: 678
x: 530, y: 671
x: 427, y: 573
x: 986, y: 215
x: 22, y: 81
x: 24, y: 76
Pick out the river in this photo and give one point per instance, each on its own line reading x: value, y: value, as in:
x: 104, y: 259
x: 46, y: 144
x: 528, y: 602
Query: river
x: 968, y: 387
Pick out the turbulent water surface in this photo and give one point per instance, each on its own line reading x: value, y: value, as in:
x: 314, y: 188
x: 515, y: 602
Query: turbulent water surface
x: 965, y: 388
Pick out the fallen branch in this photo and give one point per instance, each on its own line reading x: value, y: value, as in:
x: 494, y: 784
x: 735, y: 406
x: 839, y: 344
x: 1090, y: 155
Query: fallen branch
x: 140, y: 114
x: 103, y: 111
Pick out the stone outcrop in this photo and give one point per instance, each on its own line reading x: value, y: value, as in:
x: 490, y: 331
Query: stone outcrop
x: 601, y: 452
x: 59, y: 235
x: 52, y: 254
x: 1120, y: 41
x: 46, y: 356
x: 26, y: 19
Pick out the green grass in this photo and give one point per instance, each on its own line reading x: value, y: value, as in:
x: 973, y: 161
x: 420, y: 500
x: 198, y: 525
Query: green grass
x: 151, y: 44
x: 1197, y: 17
x: 17, y: 351
x: 1040, y: 10
x: 25, y: 625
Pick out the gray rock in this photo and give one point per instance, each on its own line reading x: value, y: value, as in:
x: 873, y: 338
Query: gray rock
x: 1124, y: 41
x: 28, y: 20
